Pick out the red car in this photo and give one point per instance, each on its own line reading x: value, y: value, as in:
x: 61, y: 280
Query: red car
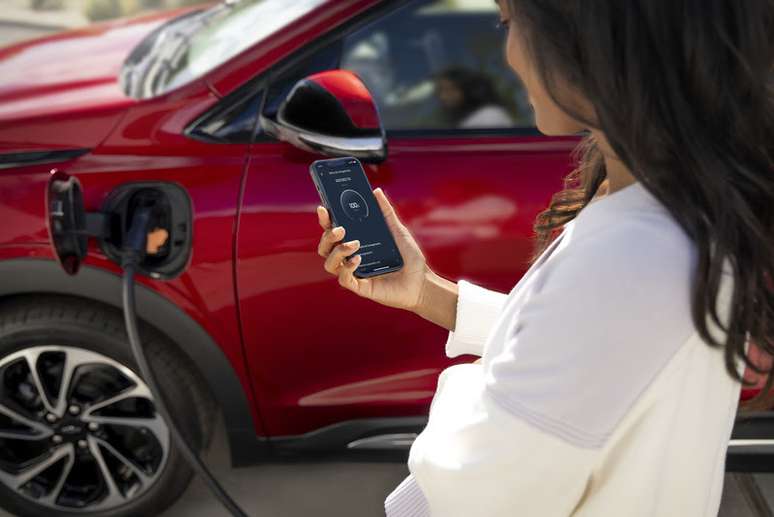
x: 253, y: 329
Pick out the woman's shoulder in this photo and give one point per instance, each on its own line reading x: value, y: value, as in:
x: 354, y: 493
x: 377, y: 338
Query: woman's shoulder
x: 622, y: 258
x: 629, y: 235
x: 609, y: 308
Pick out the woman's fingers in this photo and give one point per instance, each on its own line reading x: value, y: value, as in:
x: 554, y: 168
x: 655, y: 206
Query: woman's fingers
x: 337, y: 254
x: 329, y: 239
x: 330, y: 236
x: 326, y: 240
x: 323, y: 218
x: 347, y: 279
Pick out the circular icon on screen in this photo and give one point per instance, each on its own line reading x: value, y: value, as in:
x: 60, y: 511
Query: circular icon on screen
x: 354, y: 205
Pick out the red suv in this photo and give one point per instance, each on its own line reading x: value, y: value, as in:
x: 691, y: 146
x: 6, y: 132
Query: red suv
x: 253, y: 329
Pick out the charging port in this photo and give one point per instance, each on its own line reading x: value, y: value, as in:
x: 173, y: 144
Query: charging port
x: 171, y: 211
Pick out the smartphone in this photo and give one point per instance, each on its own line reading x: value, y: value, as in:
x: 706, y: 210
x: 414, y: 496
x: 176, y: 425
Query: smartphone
x: 347, y: 195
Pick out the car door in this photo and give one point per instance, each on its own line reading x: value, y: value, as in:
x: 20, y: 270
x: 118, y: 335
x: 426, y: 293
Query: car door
x: 467, y: 173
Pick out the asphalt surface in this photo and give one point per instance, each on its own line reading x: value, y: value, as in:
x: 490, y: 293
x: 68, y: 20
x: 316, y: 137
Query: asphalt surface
x: 355, y: 489
x: 319, y: 488
x: 350, y: 489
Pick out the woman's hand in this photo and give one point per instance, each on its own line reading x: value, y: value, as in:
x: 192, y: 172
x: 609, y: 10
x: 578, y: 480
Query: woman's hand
x: 401, y: 289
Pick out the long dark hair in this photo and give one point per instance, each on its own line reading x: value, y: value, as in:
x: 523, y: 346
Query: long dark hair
x: 684, y: 92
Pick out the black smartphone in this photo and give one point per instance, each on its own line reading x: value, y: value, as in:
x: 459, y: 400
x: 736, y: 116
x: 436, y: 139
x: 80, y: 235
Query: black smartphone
x: 347, y: 195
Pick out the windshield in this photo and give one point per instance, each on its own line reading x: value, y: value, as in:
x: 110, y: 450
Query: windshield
x: 185, y: 51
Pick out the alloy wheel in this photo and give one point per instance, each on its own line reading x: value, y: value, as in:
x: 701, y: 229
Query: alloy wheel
x: 78, y: 430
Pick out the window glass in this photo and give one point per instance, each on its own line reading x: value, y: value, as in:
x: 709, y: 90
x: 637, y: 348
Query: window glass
x: 439, y: 65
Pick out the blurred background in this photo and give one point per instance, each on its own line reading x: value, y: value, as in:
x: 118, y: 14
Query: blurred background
x: 23, y: 19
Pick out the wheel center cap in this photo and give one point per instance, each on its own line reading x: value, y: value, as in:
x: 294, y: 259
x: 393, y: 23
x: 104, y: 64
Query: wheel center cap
x: 71, y: 430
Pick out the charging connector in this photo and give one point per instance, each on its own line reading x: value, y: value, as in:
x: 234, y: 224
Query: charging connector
x: 141, y: 222
x: 137, y: 237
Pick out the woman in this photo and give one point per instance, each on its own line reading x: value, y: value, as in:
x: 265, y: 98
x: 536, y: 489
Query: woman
x: 610, y: 374
x: 469, y: 99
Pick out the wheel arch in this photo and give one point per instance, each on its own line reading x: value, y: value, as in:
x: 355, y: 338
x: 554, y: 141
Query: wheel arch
x: 40, y: 276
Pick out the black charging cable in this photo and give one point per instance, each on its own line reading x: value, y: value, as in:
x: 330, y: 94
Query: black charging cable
x: 132, y: 255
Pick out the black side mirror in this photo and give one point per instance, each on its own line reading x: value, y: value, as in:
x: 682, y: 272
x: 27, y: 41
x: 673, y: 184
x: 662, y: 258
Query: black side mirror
x: 331, y: 113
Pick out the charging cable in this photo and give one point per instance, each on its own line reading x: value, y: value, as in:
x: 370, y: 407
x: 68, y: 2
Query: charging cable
x: 132, y: 254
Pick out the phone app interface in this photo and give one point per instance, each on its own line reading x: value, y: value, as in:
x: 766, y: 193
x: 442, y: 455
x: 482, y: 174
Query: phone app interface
x: 355, y: 208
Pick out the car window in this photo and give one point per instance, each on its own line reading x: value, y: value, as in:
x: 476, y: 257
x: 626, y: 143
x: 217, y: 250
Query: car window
x: 439, y: 65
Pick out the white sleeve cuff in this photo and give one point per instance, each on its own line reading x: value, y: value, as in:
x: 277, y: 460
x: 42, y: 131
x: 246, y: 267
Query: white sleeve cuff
x: 477, y: 311
x: 407, y: 500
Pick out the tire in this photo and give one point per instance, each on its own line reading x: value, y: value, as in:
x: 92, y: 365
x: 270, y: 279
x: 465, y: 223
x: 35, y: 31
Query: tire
x: 46, y: 331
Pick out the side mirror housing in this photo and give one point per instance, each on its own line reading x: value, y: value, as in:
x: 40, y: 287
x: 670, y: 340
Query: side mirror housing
x: 331, y: 113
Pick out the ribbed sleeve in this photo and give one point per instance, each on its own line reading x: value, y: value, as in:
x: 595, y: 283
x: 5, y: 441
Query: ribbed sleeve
x: 406, y: 500
x: 477, y: 311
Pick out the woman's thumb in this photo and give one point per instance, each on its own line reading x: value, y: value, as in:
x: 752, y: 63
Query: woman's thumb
x: 389, y: 213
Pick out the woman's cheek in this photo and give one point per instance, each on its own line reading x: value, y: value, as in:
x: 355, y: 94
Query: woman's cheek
x: 514, y: 56
x: 549, y: 117
x: 519, y: 64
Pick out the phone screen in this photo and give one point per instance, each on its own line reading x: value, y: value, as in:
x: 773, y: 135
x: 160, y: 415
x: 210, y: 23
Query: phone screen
x: 346, y: 193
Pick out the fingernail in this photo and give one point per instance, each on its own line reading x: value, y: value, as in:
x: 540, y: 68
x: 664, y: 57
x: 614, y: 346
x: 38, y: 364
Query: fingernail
x: 353, y: 244
x: 378, y: 188
x: 355, y: 259
x: 338, y: 230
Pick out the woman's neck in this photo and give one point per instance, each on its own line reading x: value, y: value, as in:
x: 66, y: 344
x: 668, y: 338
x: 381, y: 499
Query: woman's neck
x: 618, y: 175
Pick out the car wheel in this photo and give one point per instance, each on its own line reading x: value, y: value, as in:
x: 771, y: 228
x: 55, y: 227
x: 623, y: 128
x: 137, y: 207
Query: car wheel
x: 79, y: 433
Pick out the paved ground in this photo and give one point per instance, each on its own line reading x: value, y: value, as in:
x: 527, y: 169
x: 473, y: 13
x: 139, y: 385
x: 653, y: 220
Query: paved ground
x: 350, y: 489
x: 347, y: 489
x: 322, y: 489
x: 18, y: 22
x: 12, y: 31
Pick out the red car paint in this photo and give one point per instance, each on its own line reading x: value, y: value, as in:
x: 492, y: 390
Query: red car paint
x: 307, y: 353
x: 353, y: 95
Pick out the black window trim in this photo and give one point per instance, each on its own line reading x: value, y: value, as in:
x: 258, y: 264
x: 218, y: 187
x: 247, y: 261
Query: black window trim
x: 242, y: 94
x: 28, y: 158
